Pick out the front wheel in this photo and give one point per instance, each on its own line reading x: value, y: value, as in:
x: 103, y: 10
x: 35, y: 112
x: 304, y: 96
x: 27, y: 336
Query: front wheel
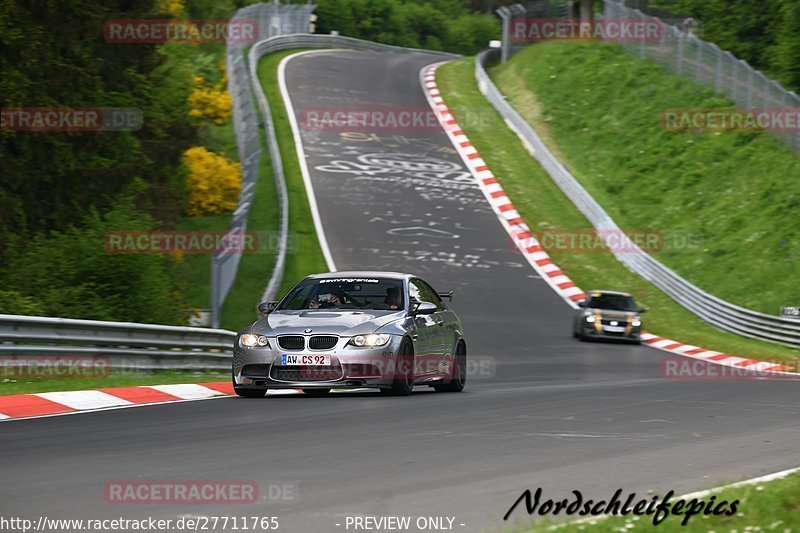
x: 458, y: 378
x: 404, y: 371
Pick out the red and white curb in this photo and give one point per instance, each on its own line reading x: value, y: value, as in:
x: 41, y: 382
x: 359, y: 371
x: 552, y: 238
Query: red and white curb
x: 17, y: 406
x: 43, y: 404
x: 532, y: 250
x: 695, y: 352
x: 516, y: 228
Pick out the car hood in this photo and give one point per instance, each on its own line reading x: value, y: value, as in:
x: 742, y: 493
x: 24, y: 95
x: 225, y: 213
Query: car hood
x: 615, y: 315
x: 345, y: 322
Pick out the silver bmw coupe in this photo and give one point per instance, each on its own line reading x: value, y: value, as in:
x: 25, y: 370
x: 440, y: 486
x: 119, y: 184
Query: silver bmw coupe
x: 350, y: 330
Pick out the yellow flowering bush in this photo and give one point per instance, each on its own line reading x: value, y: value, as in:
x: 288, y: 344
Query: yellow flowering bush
x: 213, y: 182
x: 210, y: 101
x: 171, y: 7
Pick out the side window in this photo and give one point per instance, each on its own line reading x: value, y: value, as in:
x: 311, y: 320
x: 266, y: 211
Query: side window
x: 298, y: 299
x: 420, y: 291
x: 433, y: 296
x: 415, y: 291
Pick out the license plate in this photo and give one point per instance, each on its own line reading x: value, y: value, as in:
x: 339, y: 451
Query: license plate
x: 614, y: 329
x: 305, y: 360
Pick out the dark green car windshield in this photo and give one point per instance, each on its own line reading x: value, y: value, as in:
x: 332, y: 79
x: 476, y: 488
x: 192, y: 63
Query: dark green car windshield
x: 612, y: 302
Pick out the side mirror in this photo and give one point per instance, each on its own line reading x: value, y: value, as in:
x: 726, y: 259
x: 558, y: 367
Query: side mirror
x: 424, y: 308
x: 265, y: 308
x: 582, y: 304
x: 641, y: 310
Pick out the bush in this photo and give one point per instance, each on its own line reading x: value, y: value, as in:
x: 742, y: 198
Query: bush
x: 14, y: 303
x: 210, y: 101
x: 213, y: 182
x: 70, y: 274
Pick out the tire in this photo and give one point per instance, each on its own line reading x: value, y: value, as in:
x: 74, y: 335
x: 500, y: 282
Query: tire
x: 247, y: 393
x: 317, y: 393
x: 459, y: 378
x: 404, y: 373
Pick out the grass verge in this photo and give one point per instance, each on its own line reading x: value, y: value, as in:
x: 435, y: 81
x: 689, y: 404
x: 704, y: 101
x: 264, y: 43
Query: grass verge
x: 544, y: 207
x: 733, y: 198
x: 770, y: 506
x: 33, y: 384
x: 304, y: 255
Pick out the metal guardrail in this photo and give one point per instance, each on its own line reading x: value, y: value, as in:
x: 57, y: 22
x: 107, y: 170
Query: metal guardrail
x: 127, y: 345
x: 272, y: 19
x: 715, y: 311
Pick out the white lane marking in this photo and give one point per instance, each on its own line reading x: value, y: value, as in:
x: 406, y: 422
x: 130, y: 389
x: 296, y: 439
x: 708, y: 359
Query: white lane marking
x: 83, y: 399
x: 301, y: 157
x: 187, y: 391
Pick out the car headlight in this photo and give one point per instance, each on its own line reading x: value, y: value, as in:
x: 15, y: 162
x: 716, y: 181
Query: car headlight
x: 636, y: 323
x: 373, y: 339
x: 250, y: 340
x: 590, y: 319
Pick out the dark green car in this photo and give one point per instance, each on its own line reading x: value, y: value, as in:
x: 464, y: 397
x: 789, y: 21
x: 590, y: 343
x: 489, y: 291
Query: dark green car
x: 608, y: 315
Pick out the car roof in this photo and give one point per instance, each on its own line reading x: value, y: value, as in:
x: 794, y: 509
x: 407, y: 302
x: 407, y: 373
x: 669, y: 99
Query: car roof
x: 616, y: 293
x: 360, y: 274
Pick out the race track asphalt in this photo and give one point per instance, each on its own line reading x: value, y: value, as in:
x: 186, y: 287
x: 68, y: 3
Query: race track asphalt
x: 547, y: 411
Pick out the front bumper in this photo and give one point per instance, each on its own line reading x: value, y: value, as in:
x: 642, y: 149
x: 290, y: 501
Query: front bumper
x: 351, y: 367
x: 629, y: 333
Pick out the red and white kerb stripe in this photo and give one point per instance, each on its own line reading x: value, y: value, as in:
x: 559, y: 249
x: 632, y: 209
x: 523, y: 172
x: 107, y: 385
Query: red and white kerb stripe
x: 70, y: 402
x: 519, y: 232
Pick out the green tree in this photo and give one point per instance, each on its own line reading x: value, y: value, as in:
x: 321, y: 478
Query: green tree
x: 70, y: 273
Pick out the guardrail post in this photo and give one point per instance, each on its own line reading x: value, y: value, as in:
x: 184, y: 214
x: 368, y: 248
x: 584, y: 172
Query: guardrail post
x: 504, y: 14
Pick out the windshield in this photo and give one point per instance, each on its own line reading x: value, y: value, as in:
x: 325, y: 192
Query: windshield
x: 345, y: 293
x: 612, y: 302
